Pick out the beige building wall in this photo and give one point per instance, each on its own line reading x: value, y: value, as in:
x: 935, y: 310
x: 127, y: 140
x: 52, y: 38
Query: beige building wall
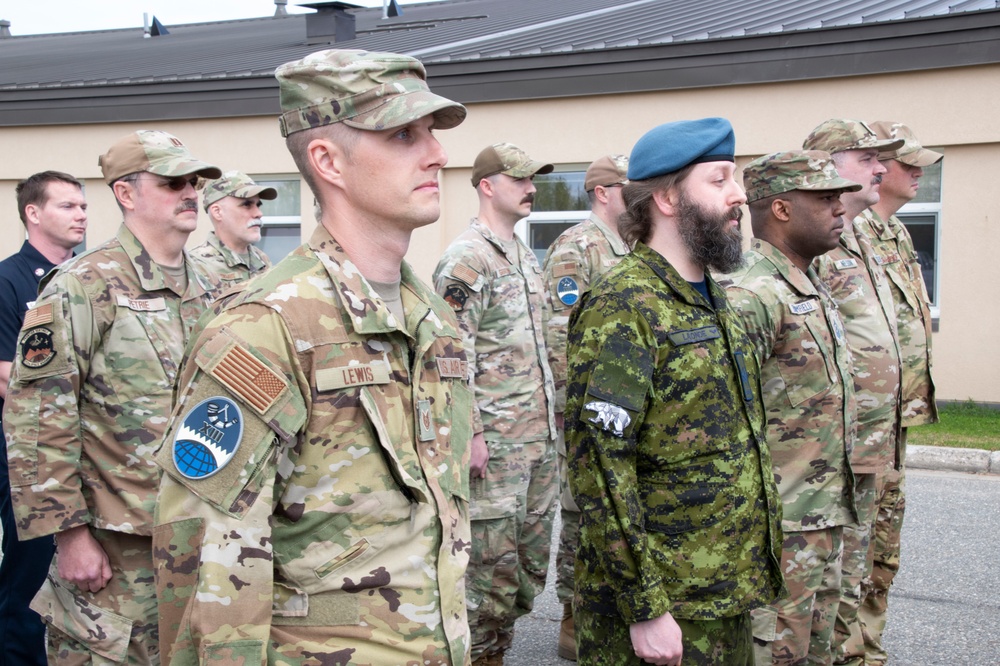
x: 953, y: 110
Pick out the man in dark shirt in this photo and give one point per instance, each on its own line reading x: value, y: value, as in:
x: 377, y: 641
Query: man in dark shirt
x: 54, y: 212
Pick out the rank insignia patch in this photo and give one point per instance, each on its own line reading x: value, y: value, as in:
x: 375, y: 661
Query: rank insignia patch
x: 456, y: 296
x: 36, y: 348
x: 208, y: 438
x: 568, y: 290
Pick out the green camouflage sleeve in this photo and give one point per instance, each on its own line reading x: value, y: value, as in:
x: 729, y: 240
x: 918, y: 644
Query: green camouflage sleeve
x: 212, y: 543
x: 615, y: 357
x: 41, y: 413
x: 461, y: 281
x: 562, y: 261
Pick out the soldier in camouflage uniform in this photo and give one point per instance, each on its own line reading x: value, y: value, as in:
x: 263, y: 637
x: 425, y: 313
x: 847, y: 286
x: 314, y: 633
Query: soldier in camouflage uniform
x: 795, y: 209
x: 574, y: 261
x: 680, y: 517
x: 233, y: 205
x: 493, y: 282
x: 314, y: 506
x: 861, y: 289
x: 89, y: 400
x: 894, y: 251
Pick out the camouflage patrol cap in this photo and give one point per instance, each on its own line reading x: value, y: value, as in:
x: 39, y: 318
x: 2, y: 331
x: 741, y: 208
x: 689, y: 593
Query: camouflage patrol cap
x: 153, y: 151
x: 606, y: 171
x: 839, y: 134
x: 778, y: 173
x: 911, y: 152
x: 508, y: 159
x: 362, y: 89
x: 234, y: 184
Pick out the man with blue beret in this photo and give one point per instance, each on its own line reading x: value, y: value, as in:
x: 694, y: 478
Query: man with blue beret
x: 679, y: 534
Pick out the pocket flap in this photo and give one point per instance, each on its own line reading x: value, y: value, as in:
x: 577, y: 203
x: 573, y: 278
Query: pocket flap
x: 103, y: 632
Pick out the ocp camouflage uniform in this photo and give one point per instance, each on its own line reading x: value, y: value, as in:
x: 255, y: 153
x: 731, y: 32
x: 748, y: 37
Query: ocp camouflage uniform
x: 336, y: 527
x: 573, y: 262
x: 668, y: 463
x: 894, y: 251
x: 861, y: 289
x: 810, y: 408
x: 89, y: 400
x: 499, y: 299
x: 224, y: 267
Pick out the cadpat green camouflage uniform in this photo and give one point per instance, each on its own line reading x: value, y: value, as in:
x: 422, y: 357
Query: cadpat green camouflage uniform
x: 336, y: 527
x: 499, y: 300
x: 226, y: 268
x: 668, y: 463
x: 810, y: 408
x: 573, y: 262
x: 861, y: 289
x: 894, y: 251
x: 88, y: 404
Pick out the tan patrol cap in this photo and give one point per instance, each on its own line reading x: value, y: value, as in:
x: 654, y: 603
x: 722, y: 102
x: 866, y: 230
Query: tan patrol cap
x: 911, y: 152
x: 508, y: 159
x: 839, y: 134
x: 153, y: 151
x: 606, y: 171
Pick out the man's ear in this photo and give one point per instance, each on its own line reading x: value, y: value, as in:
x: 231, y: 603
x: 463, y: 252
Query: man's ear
x: 327, y: 160
x: 125, y: 193
x: 215, y: 212
x: 781, y: 209
x: 666, y: 201
x: 33, y: 213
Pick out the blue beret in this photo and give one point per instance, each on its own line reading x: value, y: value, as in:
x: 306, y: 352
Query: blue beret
x: 672, y: 146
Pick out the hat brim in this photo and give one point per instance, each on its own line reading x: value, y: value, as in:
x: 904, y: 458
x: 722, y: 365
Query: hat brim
x: 185, y: 168
x: 921, y: 157
x: 832, y: 184
x: 527, y: 170
x: 400, y: 110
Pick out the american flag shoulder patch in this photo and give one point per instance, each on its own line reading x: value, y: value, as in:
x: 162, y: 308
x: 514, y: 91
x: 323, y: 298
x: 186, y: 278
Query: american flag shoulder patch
x: 249, y: 378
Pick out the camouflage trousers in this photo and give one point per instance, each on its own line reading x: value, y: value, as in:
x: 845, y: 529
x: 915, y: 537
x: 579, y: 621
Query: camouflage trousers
x: 603, y: 640
x: 115, y: 625
x: 798, y: 629
x: 849, y: 643
x: 885, y: 565
x: 511, y: 512
x: 569, y: 534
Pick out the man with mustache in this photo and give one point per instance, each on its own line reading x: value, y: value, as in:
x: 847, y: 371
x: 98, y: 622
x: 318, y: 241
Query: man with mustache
x: 89, y: 400
x: 679, y: 513
x: 894, y: 251
x: 795, y: 209
x: 494, y: 283
x: 861, y: 289
x: 233, y: 205
x: 53, y: 209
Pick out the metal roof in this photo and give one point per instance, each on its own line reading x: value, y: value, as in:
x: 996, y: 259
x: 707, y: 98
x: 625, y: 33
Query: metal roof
x: 209, y: 68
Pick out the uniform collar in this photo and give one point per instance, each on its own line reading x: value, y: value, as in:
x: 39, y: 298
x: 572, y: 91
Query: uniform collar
x: 150, y: 274
x: 804, y: 283
x: 617, y: 244
x: 498, y: 242
x: 666, y: 272
x: 36, y: 260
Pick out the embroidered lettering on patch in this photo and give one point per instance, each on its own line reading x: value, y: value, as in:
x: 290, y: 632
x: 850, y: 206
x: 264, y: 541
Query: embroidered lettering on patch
x: 208, y: 438
x: 803, y: 307
x: 566, y: 268
x: 568, y: 291
x: 38, y: 317
x: 452, y: 367
x: 330, y: 379
x: 249, y: 378
x: 425, y: 424
x: 142, y: 304
x: 611, y: 418
x: 694, y: 335
x: 37, y: 349
x: 886, y: 259
x: 841, y: 264
x: 465, y: 274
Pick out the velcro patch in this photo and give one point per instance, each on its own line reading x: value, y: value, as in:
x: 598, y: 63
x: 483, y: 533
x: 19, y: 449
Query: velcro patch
x: 208, y: 438
x: 37, y: 348
x: 566, y: 268
x: 465, y: 274
x: 38, y: 317
x: 331, y: 379
x: 841, y: 264
x: 456, y: 296
x: 452, y: 367
x: 803, y: 307
x: 503, y: 272
x: 249, y: 378
x: 567, y: 290
x: 886, y: 259
x: 693, y: 335
x: 142, y: 304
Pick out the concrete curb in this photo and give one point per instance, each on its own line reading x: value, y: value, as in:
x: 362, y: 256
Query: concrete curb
x: 974, y: 461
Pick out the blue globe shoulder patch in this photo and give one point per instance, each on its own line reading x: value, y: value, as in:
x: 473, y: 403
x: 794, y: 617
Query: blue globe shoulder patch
x: 568, y: 290
x: 208, y: 438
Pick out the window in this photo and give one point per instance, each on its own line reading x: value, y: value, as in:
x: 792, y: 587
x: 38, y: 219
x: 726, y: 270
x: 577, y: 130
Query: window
x: 560, y: 202
x: 282, y: 229
x: 922, y: 218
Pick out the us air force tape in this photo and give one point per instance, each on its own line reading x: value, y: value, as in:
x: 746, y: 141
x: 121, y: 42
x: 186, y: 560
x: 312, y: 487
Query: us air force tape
x: 208, y: 438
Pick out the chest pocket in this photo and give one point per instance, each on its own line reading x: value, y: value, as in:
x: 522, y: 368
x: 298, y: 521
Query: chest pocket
x: 134, y: 353
x: 804, y: 361
x: 897, y: 275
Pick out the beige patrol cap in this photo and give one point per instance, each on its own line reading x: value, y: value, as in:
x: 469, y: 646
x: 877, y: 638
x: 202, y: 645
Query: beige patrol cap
x: 606, y: 171
x: 154, y: 151
x: 839, y: 134
x: 363, y: 89
x: 911, y: 152
x: 234, y: 184
x: 508, y: 159
x: 777, y: 173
